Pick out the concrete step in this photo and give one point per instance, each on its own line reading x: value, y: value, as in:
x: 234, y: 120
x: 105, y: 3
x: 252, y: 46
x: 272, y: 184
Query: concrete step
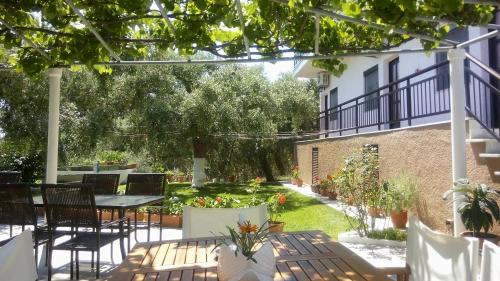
x: 489, y: 155
x: 480, y: 140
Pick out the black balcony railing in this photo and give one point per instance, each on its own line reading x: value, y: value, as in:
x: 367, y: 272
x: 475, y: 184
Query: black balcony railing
x: 483, y: 99
x: 422, y: 94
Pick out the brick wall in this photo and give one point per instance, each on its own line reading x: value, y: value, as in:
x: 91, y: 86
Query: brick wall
x: 424, y: 152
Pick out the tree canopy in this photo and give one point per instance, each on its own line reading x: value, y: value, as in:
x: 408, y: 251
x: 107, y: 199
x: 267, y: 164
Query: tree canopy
x: 162, y: 116
x: 46, y: 33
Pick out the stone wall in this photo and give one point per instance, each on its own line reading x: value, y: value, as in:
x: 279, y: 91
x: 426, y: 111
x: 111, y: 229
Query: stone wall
x: 424, y: 152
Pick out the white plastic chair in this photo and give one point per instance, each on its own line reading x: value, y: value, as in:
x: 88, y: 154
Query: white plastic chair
x: 207, y: 222
x: 17, y: 260
x: 490, y: 263
x: 435, y: 256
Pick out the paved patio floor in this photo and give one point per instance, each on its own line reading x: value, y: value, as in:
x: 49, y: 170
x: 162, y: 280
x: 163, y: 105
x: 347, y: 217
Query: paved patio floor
x: 110, y: 255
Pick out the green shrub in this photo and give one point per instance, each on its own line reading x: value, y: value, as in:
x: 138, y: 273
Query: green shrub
x: 31, y: 164
x: 112, y: 156
x: 388, y: 234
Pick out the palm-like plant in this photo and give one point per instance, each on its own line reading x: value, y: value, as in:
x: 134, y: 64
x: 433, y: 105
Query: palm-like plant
x: 477, y: 206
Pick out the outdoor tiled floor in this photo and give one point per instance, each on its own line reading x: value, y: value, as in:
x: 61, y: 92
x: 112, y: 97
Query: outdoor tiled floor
x: 378, y: 256
x: 110, y: 255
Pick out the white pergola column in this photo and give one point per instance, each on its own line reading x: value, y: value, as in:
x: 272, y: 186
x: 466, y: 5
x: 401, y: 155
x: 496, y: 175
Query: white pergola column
x: 53, y: 134
x: 457, y: 104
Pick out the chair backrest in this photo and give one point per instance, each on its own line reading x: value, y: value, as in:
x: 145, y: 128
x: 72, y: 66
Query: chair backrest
x: 70, y: 205
x: 17, y: 260
x: 10, y: 177
x: 104, y: 184
x: 490, y: 263
x: 16, y: 205
x: 436, y: 256
x: 145, y: 184
x: 207, y: 222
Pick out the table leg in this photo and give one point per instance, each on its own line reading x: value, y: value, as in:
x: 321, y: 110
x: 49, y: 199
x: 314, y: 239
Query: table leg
x: 122, y: 242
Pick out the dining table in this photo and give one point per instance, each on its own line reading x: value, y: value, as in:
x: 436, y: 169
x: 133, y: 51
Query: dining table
x: 306, y: 255
x: 121, y: 203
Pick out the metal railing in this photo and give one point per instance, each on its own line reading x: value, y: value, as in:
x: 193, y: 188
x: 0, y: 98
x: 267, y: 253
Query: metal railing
x: 483, y: 98
x: 399, y: 103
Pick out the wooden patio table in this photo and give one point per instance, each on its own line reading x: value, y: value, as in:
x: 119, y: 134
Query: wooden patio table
x: 300, y: 256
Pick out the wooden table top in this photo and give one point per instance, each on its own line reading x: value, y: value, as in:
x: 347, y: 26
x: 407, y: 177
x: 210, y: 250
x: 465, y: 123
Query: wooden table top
x: 299, y: 256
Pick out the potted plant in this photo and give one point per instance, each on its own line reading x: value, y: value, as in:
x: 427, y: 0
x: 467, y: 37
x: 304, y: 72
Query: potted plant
x: 246, y: 254
x: 478, y: 209
x: 323, y: 187
x: 295, y: 174
x: 170, y: 175
x: 172, y: 216
x: 275, y: 207
x: 399, y: 195
x: 332, y: 187
x: 180, y: 177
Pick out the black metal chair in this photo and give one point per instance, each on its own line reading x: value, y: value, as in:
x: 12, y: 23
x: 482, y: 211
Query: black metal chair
x: 104, y: 184
x: 73, y: 206
x: 146, y: 184
x: 17, y: 208
x: 10, y: 177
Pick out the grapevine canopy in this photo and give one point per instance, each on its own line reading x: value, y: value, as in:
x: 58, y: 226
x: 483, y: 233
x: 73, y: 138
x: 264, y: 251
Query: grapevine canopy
x: 38, y: 34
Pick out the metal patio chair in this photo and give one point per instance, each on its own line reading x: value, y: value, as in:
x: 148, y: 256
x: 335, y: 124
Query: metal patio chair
x: 17, y: 208
x: 73, y: 206
x: 146, y: 184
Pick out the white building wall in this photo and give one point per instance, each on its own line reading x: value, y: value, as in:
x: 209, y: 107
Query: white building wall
x: 351, y: 84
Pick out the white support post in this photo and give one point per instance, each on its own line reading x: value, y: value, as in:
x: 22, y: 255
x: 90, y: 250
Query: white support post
x: 458, y: 154
x: 53, y: 134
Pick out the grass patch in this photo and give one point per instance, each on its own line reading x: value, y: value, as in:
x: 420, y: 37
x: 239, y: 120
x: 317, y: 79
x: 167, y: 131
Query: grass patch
x: 301, y: 212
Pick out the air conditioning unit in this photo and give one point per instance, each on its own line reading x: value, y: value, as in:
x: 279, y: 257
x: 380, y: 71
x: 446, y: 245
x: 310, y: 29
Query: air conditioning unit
x: 324, y: 79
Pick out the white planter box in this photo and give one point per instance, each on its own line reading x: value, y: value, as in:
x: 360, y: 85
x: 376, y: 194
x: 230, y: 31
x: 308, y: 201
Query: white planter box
x: 353, y: 237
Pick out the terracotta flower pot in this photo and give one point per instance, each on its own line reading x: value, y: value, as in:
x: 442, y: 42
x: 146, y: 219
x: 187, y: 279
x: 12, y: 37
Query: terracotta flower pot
x: 180, y: 178
x: 375, y: 212
x: 140, y: 215
x: 399, y: 219
x: 324, y: 192
x: 332, y: 195
x: 482, y: 236
x: 172, y: 221
x: 300, y: 182
x: 170, y: 178
x: 231, y: 178
x: 276, y: 226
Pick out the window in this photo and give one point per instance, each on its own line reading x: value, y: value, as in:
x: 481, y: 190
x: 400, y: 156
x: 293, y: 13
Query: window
x: 334, y: 101
x: 371, y: 84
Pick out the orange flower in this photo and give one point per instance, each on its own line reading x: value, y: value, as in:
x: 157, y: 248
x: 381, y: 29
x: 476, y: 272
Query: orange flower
x: 218, y: 199
x: 329, y: 177
x: 258, y: 180
x: 281, y: 198
x: 247, y: 227
x: 201, y: 201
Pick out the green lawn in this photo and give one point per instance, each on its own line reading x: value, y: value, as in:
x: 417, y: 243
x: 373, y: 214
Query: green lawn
x: 301, y: 212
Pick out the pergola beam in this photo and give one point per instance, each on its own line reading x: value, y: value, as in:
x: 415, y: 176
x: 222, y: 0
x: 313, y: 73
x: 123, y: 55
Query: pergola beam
x: 314, y: 57
x: 92, y: 29
x: 29, y: 41
x: 478, y: 39
x: 164, y: 14
x: 438, y: 20
x: 324, y: 12
x: 483, y: 2
x: 242, y: 26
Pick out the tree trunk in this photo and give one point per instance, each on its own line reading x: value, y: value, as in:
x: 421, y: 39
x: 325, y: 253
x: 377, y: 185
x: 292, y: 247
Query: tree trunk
x: 199, y: 161
x: 266, y: 167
